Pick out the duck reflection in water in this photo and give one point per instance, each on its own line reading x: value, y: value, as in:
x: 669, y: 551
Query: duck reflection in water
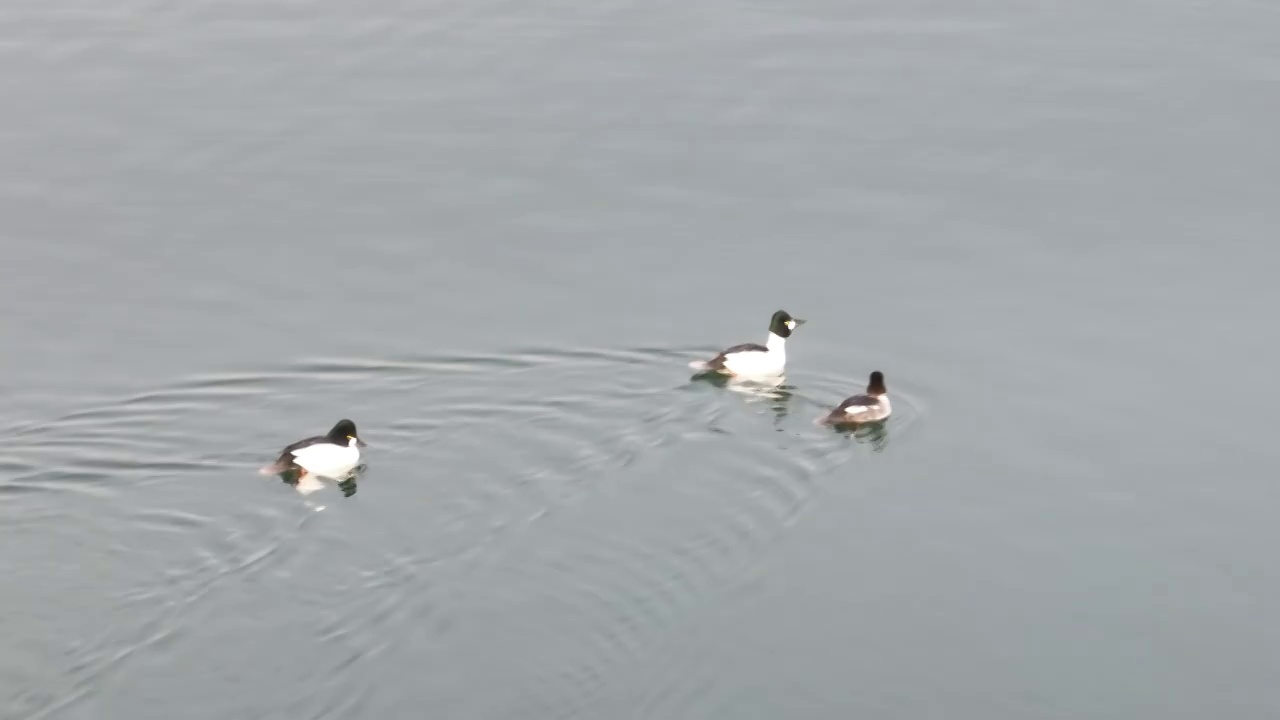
x: 875, y: 434
x: 770, y: 390
x: 307, y: 483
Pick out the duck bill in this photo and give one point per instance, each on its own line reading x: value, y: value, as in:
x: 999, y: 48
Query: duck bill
x: 361, y: 443
x: 799, y: 322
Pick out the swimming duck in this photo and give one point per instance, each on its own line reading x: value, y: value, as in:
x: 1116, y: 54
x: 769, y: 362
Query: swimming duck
x: 332, y: 456
x: 753, y: 359
x: 868, y: 408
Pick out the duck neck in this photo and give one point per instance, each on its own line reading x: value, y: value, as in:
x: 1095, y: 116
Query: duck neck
x: 776, y: 344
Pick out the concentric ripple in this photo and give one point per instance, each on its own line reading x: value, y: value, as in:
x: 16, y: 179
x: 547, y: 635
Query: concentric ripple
x: 588, y: 504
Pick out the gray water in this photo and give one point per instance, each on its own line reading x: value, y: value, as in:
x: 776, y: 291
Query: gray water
x: 495, y: 233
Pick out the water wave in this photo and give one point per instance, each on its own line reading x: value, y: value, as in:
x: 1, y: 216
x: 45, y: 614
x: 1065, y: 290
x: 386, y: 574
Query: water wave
x: 608, y: 494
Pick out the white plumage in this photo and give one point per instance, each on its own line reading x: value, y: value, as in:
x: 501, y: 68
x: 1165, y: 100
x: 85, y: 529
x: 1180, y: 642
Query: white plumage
x: 327, y: 459
x: 756, y: 363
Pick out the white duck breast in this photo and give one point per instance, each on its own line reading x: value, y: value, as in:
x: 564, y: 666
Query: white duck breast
x: 328, y: 459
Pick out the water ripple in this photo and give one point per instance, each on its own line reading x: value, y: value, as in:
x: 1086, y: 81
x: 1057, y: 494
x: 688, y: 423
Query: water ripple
x: 603, y: 492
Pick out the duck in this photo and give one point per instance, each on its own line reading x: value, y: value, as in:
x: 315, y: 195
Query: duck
x: 332, y: 455
x: 873, y: 406
x: 753, y: 360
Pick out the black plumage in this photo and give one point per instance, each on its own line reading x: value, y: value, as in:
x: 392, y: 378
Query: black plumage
x: 717, y: 362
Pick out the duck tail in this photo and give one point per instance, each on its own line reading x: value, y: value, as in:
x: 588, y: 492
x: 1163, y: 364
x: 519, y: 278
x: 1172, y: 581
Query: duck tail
x: 274, y: 468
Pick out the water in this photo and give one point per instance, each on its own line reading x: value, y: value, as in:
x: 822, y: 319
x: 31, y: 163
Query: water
x: 494, y: 234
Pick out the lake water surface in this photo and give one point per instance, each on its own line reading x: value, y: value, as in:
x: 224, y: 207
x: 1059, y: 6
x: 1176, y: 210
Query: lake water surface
x: 494, y: 233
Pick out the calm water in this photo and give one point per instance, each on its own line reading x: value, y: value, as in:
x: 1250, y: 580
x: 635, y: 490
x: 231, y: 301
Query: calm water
x: 494, y: 233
